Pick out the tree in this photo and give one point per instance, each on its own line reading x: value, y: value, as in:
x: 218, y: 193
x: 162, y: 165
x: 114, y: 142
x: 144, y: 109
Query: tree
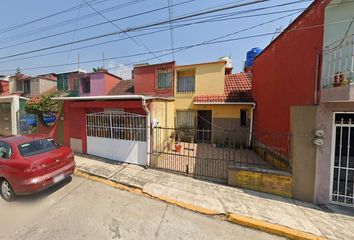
x: 18, y: 71
x: 99, y: 69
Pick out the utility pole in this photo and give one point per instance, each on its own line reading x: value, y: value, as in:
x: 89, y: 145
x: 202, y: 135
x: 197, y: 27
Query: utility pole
x: 103, y: 60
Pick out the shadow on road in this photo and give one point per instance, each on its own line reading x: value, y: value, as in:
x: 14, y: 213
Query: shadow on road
x: 42, y: 194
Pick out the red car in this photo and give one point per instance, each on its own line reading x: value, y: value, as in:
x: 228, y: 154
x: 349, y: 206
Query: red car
x: 31, y: 163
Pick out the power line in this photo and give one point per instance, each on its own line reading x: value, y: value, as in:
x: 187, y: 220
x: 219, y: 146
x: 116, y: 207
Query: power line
x: 8, y: 29
x: 111, y: 41
x: 131, y: 29
x: 91, y: 26
x: 120, y: 29
x: 170, y: 16
x: 69, y: 21
x: 211, y: 41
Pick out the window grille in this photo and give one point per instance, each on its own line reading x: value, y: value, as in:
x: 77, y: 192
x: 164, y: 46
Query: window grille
x: 117, y: 125
x: 186, y: 80
x: 164, y: 78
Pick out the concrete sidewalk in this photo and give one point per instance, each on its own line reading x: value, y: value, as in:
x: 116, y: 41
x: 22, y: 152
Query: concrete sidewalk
x: 330, y: 222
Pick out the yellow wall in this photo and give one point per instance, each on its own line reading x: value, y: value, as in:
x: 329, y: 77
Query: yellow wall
x: 209, y: 79
x: 163, y: 111
x: 261, y: 181
x: 223, y: 111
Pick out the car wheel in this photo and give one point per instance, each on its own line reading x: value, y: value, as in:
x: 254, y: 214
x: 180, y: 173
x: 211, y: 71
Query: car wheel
x: 6, y: 191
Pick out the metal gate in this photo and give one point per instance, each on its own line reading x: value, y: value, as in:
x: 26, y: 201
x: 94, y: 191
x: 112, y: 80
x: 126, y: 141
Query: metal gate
x: 117, y: 135
x: 342, y: 187
x: 208, y: 153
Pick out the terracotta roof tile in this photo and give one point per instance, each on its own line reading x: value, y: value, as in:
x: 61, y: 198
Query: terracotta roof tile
x: 237, y: 88
x: 124, y: 87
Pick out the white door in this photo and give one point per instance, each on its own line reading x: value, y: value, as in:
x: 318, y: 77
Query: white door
x: 342, y: 189
x: 119, y: 136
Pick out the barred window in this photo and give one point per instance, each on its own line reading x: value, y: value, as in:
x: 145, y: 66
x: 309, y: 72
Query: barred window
x: 19, y: 85
x: 164, y: 79
x: 186, y: 80
x: 116, y: 125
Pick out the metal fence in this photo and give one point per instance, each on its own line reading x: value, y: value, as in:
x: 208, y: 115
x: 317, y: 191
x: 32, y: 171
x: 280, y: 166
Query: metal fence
x: 116, y: 125
x: 338, y: 63
x: 209, y: 153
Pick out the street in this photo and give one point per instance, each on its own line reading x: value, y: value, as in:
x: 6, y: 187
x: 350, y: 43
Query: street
x: 83, y: 209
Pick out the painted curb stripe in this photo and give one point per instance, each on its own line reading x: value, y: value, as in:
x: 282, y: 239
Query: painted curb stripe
x: 249, y: 222
x: 276, y: 229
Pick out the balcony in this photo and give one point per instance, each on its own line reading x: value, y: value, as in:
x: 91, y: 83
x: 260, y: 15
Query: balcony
x: 337, y: 81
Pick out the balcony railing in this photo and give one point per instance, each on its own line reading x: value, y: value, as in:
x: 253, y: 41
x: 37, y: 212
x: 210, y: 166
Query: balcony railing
x: 338, y: 64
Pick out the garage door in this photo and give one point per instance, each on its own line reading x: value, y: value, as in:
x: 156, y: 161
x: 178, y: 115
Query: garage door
x: 119, y: 136
x: 5, y: 119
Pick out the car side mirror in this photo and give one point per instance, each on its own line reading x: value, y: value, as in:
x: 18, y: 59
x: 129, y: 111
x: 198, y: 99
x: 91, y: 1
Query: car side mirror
x: 3, y: 152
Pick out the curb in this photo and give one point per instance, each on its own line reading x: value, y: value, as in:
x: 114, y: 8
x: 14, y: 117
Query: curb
x: 272, y: 228
x: 249, y: 222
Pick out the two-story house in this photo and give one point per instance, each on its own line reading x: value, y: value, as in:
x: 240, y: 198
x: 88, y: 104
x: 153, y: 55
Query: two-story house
x: 302, y: 84
x: 210, y: 99
x: 28, y: 86
x: 80, y: 83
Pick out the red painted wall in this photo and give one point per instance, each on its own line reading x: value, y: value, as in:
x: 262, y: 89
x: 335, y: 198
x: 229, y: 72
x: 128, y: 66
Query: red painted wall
x: 145, y: 80
x: 75, y: 116
x: 110, y: 81
x: 285, y: 73
x: 4, y: 88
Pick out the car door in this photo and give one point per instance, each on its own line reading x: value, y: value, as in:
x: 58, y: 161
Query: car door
x: 10, y: 168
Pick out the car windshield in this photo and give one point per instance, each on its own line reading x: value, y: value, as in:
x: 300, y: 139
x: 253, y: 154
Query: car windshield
x: 37, y: 146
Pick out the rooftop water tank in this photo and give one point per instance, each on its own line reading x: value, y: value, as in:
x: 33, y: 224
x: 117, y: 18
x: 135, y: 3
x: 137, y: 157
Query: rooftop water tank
x: 251, y: 55
x: 227, y: 60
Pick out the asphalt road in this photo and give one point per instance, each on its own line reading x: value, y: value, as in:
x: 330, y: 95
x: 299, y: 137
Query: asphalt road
x: 84, y: 209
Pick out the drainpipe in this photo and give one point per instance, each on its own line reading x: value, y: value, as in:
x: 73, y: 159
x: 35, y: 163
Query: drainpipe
x: 148, y: 121
x: 251, y: 125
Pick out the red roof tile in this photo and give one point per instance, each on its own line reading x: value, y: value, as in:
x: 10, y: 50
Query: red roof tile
x: 124, y: 87
x: 237, y: 88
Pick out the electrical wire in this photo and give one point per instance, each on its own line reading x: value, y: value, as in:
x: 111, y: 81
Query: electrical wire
x: 208, y: 42
x: 120, y: 29
x: 130, y: 29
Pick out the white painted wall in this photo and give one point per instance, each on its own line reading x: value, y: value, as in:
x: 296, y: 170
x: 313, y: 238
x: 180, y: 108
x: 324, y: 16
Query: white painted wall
x: 15, y: 107
x: 120, y: 150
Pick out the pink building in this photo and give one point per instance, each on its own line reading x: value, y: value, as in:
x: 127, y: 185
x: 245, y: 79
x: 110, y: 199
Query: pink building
x: 97, y: 83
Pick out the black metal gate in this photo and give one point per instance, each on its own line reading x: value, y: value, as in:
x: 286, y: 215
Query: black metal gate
x: 209, y: 153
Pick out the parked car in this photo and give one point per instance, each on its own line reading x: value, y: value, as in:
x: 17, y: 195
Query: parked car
x: 31, y: 163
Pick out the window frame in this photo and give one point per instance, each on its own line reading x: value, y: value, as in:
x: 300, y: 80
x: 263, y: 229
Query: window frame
x: 164, y: 71
x: 8, y: 148
x: 185, y: 78
x: 86, y: 85
x: 25, y: 88
x: 17, y: 81
x: 244, y: 123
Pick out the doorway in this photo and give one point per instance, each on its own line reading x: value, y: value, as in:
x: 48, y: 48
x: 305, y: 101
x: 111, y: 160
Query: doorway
x: 204, y: 121
x: 342, y: 186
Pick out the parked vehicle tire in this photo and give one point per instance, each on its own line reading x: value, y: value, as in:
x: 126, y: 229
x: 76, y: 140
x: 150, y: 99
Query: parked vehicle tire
x: 6, y: 191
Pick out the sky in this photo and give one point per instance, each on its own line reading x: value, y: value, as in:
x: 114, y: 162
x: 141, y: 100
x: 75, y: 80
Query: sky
x: 125, y: 50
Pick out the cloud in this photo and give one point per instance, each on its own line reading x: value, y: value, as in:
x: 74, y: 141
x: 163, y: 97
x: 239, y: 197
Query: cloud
x: 120, y: 69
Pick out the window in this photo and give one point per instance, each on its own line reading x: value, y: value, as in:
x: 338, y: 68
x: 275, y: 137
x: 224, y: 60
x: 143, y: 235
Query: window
x: 37, y: 147
x: 164, y: 79
x: 19, y: 86
x: 5, y: 150
x: 186, y: 80
x: 27, y: 86
x: 186, y: 119
x: 85, y: 82
x: 243, y: 117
